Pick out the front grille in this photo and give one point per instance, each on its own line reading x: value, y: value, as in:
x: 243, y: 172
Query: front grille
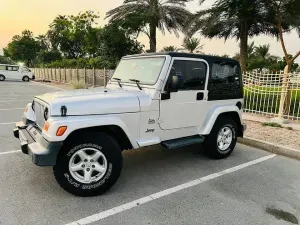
x: 39, y: 114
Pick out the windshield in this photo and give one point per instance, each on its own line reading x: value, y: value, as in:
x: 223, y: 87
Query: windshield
x: 144, y: 69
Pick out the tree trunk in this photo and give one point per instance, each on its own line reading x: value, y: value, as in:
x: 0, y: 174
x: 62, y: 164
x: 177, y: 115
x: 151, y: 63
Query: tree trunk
x: 152, y: 37
x: 287, y: 103
x: 244, y: 49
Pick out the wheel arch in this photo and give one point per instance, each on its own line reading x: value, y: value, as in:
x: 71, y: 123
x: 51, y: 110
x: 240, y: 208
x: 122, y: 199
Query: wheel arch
x: 232, y: 112
x: 114, y: 131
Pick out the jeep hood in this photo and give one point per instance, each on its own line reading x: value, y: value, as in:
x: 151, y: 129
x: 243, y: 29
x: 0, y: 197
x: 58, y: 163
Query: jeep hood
x: 91, y: 101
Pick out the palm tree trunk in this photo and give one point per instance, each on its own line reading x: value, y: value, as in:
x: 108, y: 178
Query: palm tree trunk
x: 244, y: 49
x: 286, y: 79
x: 152, y: 37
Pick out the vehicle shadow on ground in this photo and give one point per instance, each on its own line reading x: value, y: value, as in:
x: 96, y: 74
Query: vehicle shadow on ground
x: 13, y: 81
x: 143, y: 168
x: 145, y: 171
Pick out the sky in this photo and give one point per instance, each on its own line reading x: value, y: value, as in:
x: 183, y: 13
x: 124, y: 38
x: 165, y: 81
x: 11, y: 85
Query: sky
x: 36, y: 15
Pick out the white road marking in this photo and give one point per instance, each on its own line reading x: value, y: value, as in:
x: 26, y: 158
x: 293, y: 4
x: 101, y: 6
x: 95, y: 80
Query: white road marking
x: 149, y: 198
x: 8, y: 123
x: 11, y: 109
x: 10, y: 152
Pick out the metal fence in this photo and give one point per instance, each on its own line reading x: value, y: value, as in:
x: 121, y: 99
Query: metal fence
x: 91, y: 77
x: 273, y: 95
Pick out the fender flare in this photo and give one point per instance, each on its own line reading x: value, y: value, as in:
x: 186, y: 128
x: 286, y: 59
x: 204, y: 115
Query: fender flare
x: 213, y: 115
x: 75, y: 123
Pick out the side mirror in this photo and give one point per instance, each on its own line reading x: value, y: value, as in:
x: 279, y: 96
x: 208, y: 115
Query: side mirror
x: 174, y: 83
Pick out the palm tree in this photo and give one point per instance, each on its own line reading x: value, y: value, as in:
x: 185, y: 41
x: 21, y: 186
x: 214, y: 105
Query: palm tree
x: 262, y: 51
x: 284, y: 15
x: 170, y: 49
x: 238, y: 19
x: 192, y: 44
x: 148, y: 15
x: 250, y: 52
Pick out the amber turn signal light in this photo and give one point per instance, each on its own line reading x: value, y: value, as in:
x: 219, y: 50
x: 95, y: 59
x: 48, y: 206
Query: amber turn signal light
x: 61, y: 131
x: 46, y: 126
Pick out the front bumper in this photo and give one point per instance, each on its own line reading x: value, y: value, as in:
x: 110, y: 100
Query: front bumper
x: 42, y: 152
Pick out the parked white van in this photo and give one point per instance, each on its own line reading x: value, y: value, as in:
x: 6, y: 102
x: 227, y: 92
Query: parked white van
x: 15, y: 72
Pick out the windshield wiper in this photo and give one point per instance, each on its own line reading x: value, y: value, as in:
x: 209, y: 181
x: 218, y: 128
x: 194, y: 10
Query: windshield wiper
x: 137, y: 83
x: 118, y: 80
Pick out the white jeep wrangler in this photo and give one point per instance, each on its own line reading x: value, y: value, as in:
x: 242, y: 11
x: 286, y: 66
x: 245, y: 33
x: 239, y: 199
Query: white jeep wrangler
x: 172, y: 99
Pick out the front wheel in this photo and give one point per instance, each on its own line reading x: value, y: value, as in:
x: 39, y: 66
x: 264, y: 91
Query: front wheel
x: 90, y: 166
x: 25, y: 78
x: 2, y: 77
x: 221, y: 141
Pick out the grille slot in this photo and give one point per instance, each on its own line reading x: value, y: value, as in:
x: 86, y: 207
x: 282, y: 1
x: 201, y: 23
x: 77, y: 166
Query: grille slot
x: 39, y: 114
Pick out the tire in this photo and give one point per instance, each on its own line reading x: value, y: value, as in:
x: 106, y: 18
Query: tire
x: 110, y: 158
x: 213, y: 146
x: 2, y: 77
x: 26, y: 79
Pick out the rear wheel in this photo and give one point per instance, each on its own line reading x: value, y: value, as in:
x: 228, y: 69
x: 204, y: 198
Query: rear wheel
x: 222, y: 139
x: 2, y: 77
x: 90, y: 166
x: 26, y: 78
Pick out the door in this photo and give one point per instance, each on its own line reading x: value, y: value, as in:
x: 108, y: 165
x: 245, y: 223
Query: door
x: 187, y: 107
x: 12, y: 72
x: 26, y: 72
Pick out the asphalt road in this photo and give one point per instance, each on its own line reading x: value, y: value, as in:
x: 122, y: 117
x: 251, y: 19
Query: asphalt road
x: 246, y: 188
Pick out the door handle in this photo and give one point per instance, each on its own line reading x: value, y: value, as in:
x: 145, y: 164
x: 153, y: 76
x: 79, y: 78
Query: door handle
x: 200, y: 96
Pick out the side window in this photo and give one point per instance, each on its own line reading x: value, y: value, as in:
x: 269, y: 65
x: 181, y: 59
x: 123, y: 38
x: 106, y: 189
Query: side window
x: 25, y: 69
x: 12, y: 68
x: 225, y: 82
x: 192, y: 74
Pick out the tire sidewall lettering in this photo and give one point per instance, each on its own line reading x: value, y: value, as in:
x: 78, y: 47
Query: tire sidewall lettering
x: 71, y: 181
x: 83, y: 186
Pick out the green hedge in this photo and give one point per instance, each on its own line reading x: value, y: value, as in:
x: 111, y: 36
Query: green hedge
x: 97, y: 63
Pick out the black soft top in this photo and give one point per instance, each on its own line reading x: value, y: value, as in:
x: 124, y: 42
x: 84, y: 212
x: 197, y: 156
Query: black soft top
x: 208, y: 58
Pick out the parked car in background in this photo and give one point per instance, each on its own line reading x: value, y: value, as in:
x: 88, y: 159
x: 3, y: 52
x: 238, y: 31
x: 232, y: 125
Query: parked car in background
x: 15, y: 72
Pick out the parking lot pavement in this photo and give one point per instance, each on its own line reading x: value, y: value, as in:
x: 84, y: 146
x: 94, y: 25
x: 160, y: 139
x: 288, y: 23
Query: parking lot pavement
x: 267, y: 192
x: 14, y: 96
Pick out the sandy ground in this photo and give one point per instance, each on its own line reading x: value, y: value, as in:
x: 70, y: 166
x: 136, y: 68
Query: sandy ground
x: 280, y: 136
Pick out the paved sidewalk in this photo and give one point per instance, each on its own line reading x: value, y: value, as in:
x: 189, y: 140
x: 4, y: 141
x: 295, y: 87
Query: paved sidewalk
x: 262, y: 119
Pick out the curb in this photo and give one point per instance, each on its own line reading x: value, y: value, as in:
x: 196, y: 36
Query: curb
x: 267, y: 146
